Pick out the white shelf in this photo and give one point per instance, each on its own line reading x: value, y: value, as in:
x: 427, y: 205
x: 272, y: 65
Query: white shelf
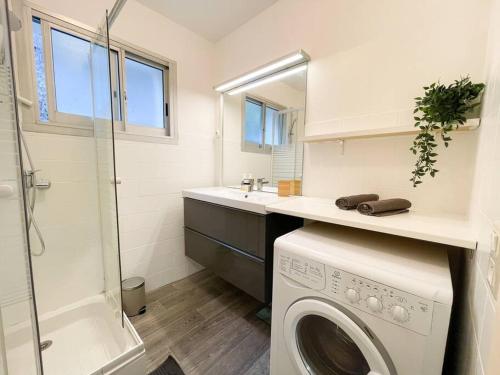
x: 379, y: 132
x: 448, y: 230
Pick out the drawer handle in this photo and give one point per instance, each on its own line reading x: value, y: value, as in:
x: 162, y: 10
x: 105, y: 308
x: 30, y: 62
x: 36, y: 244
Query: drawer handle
x: 241, y: 252
x: 229, y: 247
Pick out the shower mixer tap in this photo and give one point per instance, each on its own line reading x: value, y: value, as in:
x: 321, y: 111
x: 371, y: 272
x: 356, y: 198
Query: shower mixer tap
x: 29, y: 178
x: 32, y: 181
x: 43, y: 184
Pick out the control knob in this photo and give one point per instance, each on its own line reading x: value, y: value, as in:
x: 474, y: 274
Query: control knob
x: 352, y: 295
x: 399, y: 314
x: 374, y: 304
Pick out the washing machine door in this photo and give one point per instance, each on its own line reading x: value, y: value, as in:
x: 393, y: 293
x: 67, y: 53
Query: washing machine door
x: 322, y: 340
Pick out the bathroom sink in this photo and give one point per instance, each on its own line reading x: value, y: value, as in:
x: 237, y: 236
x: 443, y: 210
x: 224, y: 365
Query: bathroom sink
x: 255, y: 201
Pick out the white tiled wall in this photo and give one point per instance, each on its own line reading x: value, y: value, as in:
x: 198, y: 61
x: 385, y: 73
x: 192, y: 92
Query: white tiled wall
x: 485, y: 208
x: 68, y: 216
x: 151, y: 208
x: 153, y: 175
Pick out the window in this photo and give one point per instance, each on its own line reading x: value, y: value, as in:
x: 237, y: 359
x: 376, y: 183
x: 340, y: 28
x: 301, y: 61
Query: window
x: 146, y: 102
x: 72, y: 79
x: 40, y: 70
x: 262, y: 125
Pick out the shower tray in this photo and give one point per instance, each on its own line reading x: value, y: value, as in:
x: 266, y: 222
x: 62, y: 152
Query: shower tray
x: 86, y: 339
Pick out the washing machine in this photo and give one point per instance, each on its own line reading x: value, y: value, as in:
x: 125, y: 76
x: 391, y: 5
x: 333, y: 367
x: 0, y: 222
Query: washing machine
x: 354, y: 302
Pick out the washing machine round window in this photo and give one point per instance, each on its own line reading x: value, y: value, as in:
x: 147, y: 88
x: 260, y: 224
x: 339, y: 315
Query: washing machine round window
x: 324, y: 340
x: 326, y: 349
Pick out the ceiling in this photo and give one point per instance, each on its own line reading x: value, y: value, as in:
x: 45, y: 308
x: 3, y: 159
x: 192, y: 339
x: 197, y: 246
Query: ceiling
x: 212, y: 19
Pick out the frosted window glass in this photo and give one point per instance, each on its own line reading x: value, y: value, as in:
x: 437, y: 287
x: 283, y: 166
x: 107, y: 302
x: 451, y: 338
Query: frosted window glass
x: 253, y: 122
x: 145, y: 101
x: 71, y: 60
x: 41, y: 83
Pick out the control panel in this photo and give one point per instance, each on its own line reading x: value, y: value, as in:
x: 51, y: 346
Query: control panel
x: 385, y: 302
x: 304, y: 271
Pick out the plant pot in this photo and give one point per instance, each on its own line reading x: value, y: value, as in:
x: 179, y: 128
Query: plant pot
x: 476, y: 112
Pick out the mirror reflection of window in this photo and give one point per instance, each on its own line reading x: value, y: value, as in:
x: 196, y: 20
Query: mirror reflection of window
x: 253, y: 122
x: 262, y: 125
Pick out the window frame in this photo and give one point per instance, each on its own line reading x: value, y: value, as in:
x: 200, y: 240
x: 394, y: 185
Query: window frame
x: 253, y: 147
x: 144, y: 129
x: 66, y: 123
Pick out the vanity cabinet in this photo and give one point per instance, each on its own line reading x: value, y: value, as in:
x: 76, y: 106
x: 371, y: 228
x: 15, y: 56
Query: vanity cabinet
x: 237, y: 245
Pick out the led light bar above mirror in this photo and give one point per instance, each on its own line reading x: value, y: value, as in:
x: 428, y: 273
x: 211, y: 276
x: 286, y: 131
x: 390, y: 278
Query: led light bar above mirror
x: 267, y: 71
x: 268, y: 79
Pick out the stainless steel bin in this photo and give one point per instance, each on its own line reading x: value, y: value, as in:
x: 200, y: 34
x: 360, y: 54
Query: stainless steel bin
x: 134, y: 296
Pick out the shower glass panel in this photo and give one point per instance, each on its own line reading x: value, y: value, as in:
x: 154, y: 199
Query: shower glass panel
x: 106, y: 106
x: 19, y: 342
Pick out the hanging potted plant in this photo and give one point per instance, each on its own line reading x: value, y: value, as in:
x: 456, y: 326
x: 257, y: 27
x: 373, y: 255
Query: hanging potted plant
x: 441, y: 110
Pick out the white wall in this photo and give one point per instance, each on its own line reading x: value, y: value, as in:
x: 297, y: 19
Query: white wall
x: 92, y: 13
x: 485, y: 208
x: 368, y: 61
x: 153, y: 175
x: 150, y: 203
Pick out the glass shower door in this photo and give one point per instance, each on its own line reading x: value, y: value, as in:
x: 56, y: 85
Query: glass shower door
x: 106, y: 97
x: 19, y: 336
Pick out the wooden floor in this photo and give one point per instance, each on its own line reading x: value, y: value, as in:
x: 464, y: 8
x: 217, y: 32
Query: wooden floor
x: 207, y: 325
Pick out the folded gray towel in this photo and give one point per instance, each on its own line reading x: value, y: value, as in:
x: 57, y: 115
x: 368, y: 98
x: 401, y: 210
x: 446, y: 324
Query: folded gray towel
x: 384, y: 207
x: 352, y: 201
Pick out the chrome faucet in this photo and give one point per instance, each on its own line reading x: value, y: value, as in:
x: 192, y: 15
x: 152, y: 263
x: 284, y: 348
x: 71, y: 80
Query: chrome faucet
x: 247, y: 184
x: 260, y: 183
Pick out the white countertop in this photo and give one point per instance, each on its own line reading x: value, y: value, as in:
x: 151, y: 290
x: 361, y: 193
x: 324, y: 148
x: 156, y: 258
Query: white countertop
x: 449, y: 230
x: 255, y: 201
x: 444, y: 229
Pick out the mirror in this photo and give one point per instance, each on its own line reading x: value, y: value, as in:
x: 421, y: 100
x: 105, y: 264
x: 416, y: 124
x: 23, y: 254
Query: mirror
x: 262, y: 128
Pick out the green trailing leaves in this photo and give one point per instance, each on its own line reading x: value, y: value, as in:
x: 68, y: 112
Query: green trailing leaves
x: 441, y: 110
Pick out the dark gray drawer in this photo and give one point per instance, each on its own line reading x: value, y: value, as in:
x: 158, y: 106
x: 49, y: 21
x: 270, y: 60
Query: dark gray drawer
x: 240, y: 229
x: 242, y: 270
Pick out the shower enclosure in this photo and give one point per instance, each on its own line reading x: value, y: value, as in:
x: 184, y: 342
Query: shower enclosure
x: 60, y: 296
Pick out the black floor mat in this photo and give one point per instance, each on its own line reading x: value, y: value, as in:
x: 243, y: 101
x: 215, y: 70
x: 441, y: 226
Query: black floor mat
x: 169, y: 367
